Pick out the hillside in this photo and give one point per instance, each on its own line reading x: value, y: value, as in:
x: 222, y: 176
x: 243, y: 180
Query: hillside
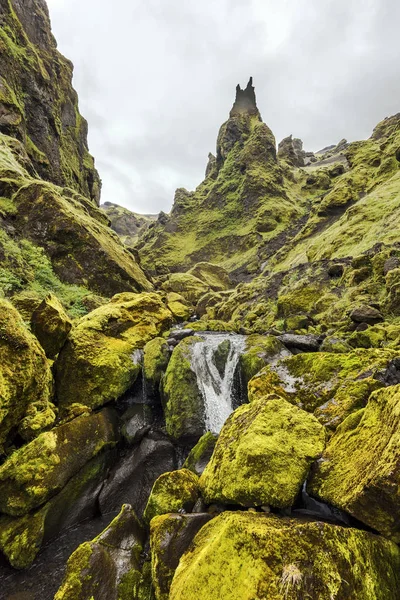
x: 204, y: 404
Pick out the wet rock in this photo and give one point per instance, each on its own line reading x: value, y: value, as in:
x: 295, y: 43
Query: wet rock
x: 51, y: 325
x: 105, y: 567
x: 366, y: 314
x: 102, y: 357
x: 200, y: 455
x: 171, y: 536
x: 137, y: 421
x: 304, y: 343
x: 270, y: 471
x: 359, y: 470
x: 38, y: 471
x: 156, y: 357
x: 176, y: 491
x: 390, y: 375
x: 259, y: 351
x: 181, y: 334
x: 255, y: 555
x: 133, y: 477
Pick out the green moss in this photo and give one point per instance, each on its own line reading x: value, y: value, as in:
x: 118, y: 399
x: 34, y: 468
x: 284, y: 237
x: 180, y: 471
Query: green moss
x: 190, y: 287
x: 172, y: 492
x: 259, y: 350
x: 201, y: 453
x: 262, y: 455
x: 155, y: 361
x: 247, y: 556
x: 51, y: 325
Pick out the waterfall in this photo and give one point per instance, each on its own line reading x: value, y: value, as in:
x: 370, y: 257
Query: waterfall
x: 214, y: 361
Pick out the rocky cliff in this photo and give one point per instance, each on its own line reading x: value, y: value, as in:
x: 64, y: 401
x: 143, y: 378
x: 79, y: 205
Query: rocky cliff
x: 194, y: 437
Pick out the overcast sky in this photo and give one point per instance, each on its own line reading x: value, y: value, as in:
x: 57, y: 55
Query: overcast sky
x: 156, y: 79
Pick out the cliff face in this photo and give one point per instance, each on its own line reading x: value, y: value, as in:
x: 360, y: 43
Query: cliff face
x: 38, y: 104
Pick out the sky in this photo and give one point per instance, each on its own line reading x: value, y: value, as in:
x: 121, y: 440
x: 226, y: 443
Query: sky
x: 156, y: 79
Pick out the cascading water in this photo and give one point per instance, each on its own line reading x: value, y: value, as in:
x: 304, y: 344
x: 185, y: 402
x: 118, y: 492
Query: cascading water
x: 217, y: 385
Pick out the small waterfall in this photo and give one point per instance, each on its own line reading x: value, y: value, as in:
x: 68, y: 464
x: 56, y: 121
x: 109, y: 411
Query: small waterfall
x: 214, y: 361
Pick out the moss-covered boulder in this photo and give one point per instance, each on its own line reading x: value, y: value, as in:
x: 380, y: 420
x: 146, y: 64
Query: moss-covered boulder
x: 25, y: 376
x: 259, y: 351
x: 181, y: 308
x: 156, y: 357
x: 170, y: 537
x: 39, y: 416
x: 215, y: 276
x: 51, y: 325
x: 21, y: 538
x: 190, y: 287
x: 172, y: 492
x: 359, y: 471
x: 182, y: 399
x: 331, y: 385
x: 263, y: 455
x: 99, y: 362
x: 38, y: 471
x: 107, y: 567
x: 248, y: 556
x: 200, y: 454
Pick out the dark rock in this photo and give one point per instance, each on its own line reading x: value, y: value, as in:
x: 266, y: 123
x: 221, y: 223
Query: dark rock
x: 170, y: 538
x: 137, y: 423
x: 366, y: 314
x: 304, y: 343
x: 362, y: 327
x: 245, y: 101
x: 390, y: 264
x: 292, y: 151
x: 181, y: 334
x: 335, y: 270
x: 133, y: 477
x: 200, y: 455
x: 390, y: 375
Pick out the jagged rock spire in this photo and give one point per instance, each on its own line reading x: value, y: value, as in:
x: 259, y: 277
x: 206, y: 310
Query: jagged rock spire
x: 245, y: 102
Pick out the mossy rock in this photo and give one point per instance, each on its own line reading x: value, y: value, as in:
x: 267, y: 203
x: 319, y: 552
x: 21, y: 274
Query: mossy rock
x: 176, y: 491
x: 182, y: 400
x: 38, y: 471
x: 51, y: 325
x: 201, y: 453
x: 250, y: 555
x: 25, y: 376
x: 21, y: 538
x: 331, y: 385
x: 156, y: 357
x: 359, y: 471
x: 190, y: 287
x: 260, y: 349
x: 263, y: 455
x: 181, y: 309
x: 170, y: 537
x: 215, y: 276
x: 108, y: 565
x: 100, y: 360
x: 39, y: 416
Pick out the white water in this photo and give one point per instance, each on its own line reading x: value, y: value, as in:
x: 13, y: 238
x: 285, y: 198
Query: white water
x: 218, y: 392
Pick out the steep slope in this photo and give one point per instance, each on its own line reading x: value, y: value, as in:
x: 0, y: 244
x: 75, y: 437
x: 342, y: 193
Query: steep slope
x: 127, y: 224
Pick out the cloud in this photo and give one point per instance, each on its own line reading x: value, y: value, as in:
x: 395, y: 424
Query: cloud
x: 156, y: 79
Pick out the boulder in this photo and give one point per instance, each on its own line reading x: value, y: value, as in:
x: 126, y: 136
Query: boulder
x: 39, y: 416
x: 51, y: 325
x: 181, y: 309
x: 182, y: 399
x: 21, y: 538
x: 291, y: 150
x: 101, y: 359
x: 359, y: 471
x: 263, y: 455
x: 137, y: 421
x: 253, y: 555
x: 38, y: 471
x: 201, y: 453
x: 260, y: 350
x: 190, y: 287
x: 133, y: 477
x: 366, y: 314
x: 155, y: 361
x: 215, y: 276
x: 106, y: 567
x: 170, y: 537
x: 176, y: 491
x: 303, y: 343
x: 25, y: 375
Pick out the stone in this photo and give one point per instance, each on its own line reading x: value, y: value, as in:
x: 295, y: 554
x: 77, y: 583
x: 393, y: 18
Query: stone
x: 292, y: 151
x: 104, y: 567
x: 254, y: 555
x: 259, y: 351
x: 170, y: 537
x: 39, y: 470
x: 190, y: 287
x: 176, y: 491
x: 304, y: 343
x: 137, y: 422
x: 263, y: 455
x: 336, y: 270
x: 156, y: 357
x: 215, y: 276
x: 359, y: 470
x: 101, y: 359
x: 51, y: 325
x: 25, y: 376
x: 393, y: 262
x: 132, y: 479
x: 182, y: 400
x: 181, y: 309
x: 366, y: 314
x: 200, y: 455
